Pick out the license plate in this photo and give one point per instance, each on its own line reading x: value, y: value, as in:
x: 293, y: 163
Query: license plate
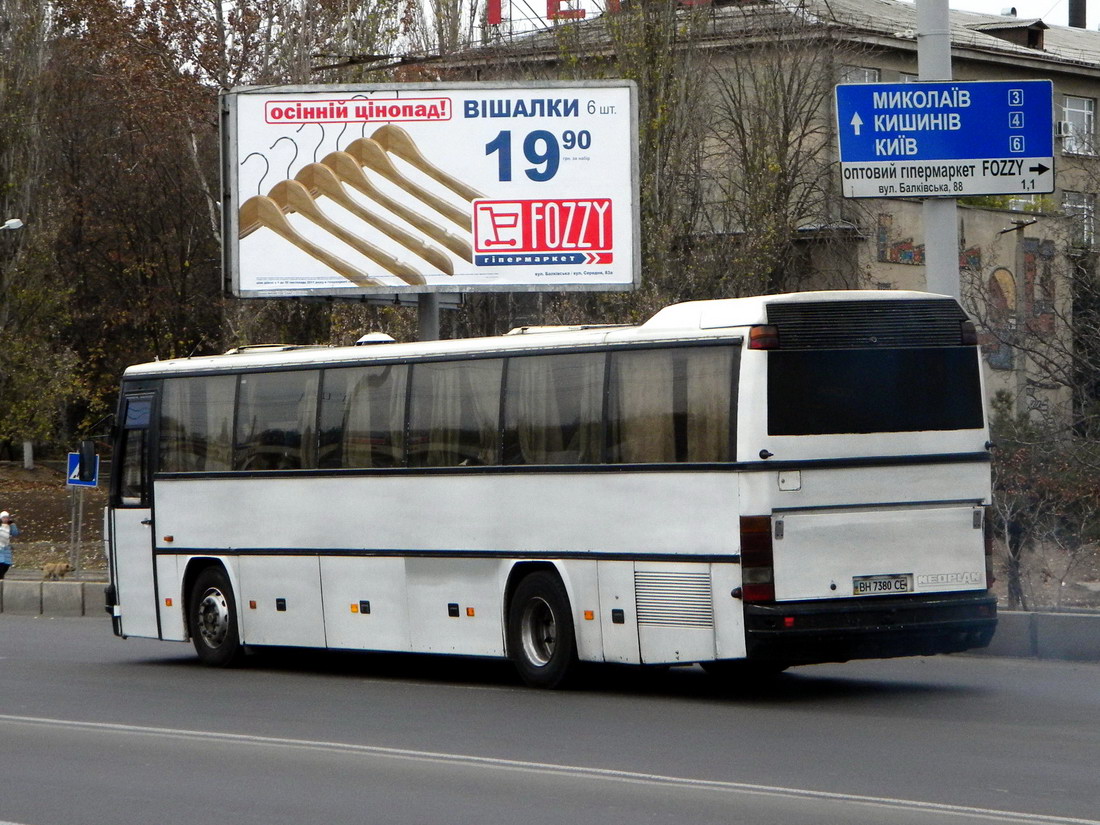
x: 882, y: 585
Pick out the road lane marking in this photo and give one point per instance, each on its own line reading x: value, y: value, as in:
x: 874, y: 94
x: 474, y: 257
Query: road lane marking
x: 554, y: 769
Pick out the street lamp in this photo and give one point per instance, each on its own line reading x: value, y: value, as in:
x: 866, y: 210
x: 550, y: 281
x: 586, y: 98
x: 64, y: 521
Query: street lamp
x: 28, y: 450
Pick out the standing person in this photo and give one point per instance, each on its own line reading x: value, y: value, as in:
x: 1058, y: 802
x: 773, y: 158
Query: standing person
x: 8, y: 531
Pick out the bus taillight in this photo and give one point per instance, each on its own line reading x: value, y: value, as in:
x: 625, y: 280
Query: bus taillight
x: 763, y: 337
x: 969, y: 334
x: 757, y: 584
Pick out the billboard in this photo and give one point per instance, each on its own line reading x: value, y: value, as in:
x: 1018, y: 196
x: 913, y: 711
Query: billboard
x: 350, y: 191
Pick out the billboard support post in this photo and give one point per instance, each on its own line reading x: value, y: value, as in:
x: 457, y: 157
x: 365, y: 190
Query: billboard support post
x: 427, y: 317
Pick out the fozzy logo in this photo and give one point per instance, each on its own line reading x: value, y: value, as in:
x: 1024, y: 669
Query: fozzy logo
x: 577, y: 230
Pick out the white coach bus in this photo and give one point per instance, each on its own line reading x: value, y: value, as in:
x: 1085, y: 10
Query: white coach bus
x: 748, y: 483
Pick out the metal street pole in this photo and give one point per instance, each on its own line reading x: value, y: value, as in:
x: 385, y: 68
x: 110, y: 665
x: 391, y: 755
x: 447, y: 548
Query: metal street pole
x: 941, y: 228
x: 28, y: 446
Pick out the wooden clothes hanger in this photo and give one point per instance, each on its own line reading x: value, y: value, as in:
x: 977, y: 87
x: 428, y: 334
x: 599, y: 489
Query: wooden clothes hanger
x: 261, y: 211
x: 348, y: 170
x: 371, y: 155
x: 292, y: 196
x: 321, y: 180
x: 396, y: 140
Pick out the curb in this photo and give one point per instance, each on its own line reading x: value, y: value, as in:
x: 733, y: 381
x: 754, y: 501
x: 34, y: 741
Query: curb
x: 1071, y: 637
x: 53, y: 599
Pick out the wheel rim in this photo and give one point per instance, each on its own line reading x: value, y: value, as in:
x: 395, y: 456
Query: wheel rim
x: 213, y: 615
x: 538, y: 632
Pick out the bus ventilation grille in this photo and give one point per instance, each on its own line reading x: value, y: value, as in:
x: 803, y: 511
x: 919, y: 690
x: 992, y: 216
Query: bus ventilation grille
x: 864, y: 324
x: 677, y: 599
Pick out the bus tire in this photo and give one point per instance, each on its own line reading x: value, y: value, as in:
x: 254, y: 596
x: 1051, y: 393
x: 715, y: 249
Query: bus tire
x: 212, y: 619
x: 541, y: 640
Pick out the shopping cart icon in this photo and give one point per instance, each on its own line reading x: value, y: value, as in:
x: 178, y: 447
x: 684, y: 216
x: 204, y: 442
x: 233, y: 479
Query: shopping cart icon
x: 498, y: 225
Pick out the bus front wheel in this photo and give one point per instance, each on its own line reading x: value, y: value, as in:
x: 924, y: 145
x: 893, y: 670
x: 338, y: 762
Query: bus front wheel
x: 541, y: 641
x: 212, y: 619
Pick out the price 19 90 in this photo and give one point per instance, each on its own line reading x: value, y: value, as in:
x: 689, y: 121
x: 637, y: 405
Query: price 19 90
x: 541, y: 148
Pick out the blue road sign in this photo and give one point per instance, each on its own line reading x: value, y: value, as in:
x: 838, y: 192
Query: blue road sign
x: 946, y: 138
x: 72, y: 477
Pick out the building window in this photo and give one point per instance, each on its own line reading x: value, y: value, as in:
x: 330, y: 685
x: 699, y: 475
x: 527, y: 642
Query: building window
x: 859, y: 74
x: 1080, y: 207
x: 906, y: 77
x: 1080, y: 113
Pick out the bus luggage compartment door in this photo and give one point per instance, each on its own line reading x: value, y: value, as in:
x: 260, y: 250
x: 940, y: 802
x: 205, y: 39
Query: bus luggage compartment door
x: 675, y: 608
x: 832, y: 553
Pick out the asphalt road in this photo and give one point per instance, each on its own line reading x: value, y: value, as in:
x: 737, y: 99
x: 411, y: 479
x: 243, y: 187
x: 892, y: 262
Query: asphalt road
x: 94, y: 729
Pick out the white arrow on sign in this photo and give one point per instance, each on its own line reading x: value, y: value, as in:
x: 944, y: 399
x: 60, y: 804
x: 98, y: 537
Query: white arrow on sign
x: 856, y: 121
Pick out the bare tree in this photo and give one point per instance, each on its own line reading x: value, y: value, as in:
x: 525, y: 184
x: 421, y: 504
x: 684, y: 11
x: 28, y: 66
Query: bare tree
x: 1040, y: 321
x: 35, y: 369
x: 769, y: 187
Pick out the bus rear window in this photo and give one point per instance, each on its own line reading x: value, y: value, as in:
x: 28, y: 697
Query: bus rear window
x: 833, y: 391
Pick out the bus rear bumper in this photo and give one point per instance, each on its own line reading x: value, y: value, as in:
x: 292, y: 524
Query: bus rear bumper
x: 813, y: 632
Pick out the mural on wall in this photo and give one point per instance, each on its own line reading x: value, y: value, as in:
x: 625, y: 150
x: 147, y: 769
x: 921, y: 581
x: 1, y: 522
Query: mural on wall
x: 1036, y: 313
x: 904, y: 251
x: 1039, y: 284
x: 1036, y: 310
x: 891, y: 251
x: 1001, y: 319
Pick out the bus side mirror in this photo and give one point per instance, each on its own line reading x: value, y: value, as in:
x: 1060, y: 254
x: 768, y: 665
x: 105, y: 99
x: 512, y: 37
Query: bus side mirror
x: 86, y: 467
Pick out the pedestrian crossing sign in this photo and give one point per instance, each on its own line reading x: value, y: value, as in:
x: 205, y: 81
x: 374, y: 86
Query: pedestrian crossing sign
x: 73, y: 475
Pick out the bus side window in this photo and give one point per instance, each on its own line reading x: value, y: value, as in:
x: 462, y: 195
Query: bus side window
x: 553, y: 408
x: 363, y: 417
x: 133, y: 489
x: 670, y: 405
x: 454, y: 413
x: 276, y: 420
x: 196, y: 418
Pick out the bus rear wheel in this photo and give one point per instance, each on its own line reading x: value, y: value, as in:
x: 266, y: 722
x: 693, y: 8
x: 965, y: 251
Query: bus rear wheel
x: 212, y: 619
x: 541, y: 641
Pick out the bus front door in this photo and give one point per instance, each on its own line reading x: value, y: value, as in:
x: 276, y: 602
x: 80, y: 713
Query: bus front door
x: 131, y: 520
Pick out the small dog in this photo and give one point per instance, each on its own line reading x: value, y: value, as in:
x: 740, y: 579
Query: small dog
x: 55, y: 570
